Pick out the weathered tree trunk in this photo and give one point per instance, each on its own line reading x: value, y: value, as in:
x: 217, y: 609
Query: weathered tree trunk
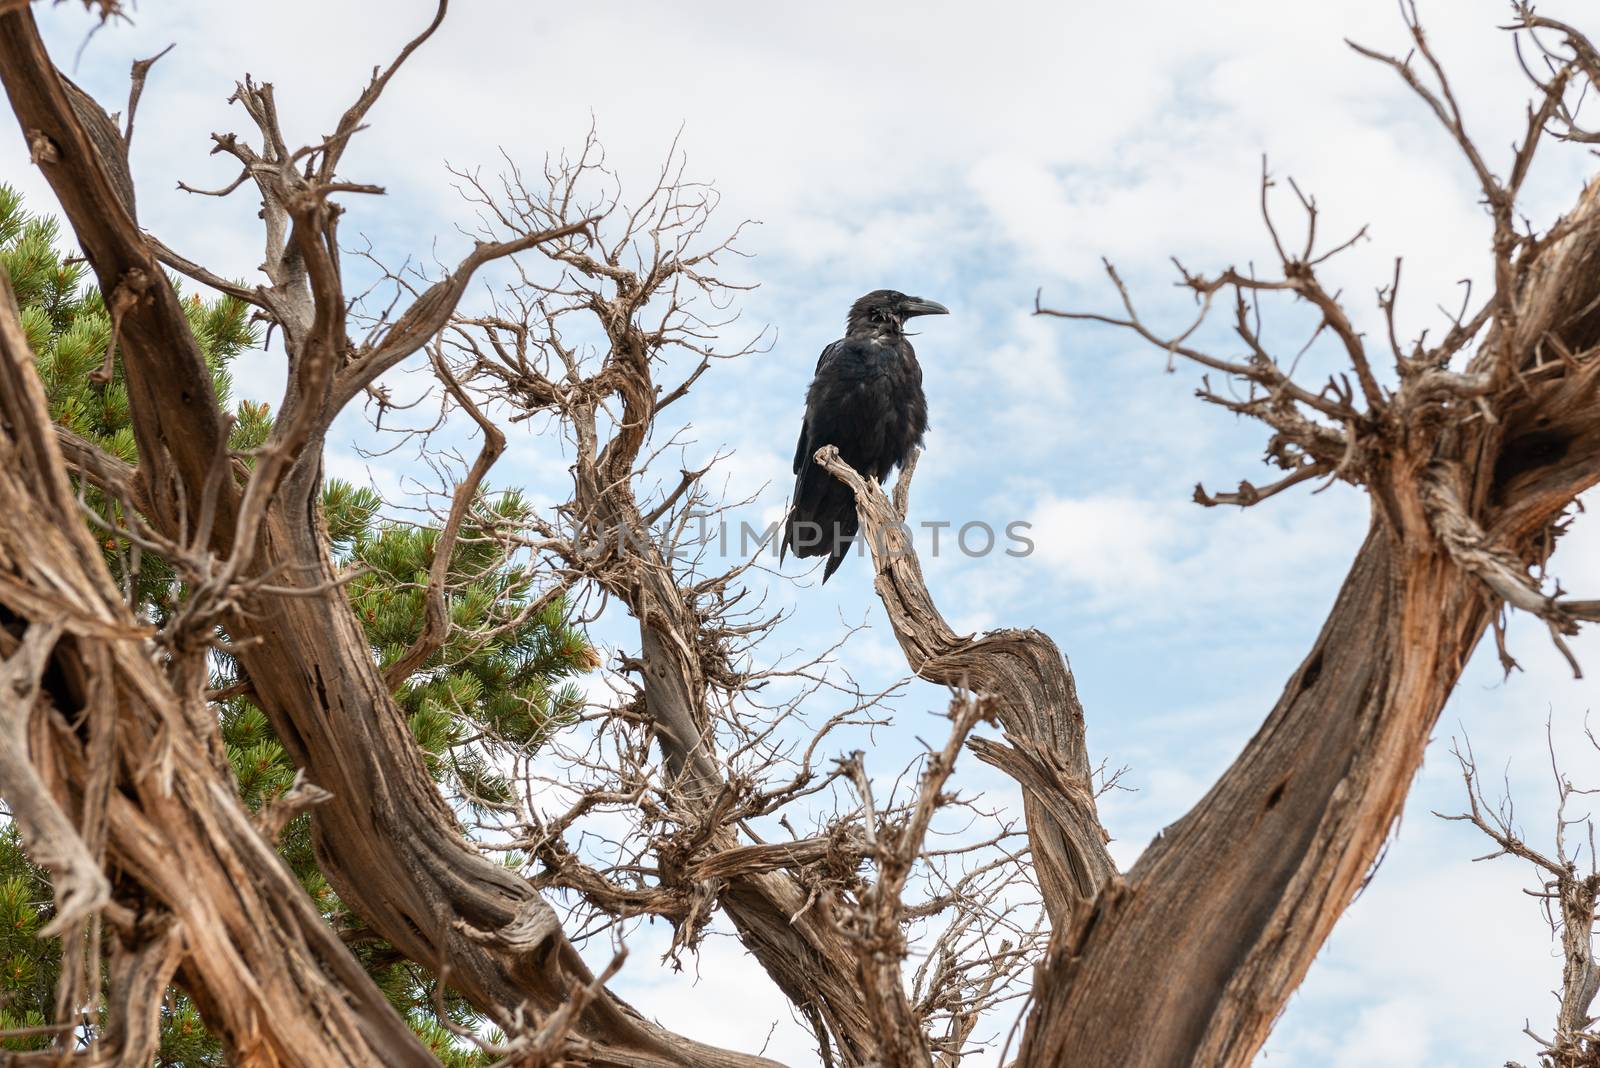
x: 1242, y: 891
x: 800, y: 948
x: 1189, y: 958
x: 388, y: 842
x: 1030, y: 685
x: 204, y: 895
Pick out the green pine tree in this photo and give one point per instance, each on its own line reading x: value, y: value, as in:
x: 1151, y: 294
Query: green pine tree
x: 502, y: 680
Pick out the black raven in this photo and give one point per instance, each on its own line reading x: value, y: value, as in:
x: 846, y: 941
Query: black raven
x: 866, y: 399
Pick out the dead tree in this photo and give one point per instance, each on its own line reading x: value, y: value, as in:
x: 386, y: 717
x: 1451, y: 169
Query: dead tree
x: 609, y: 312
x: 1569, y: 895
x: 95, y: 728
x: 1473, y: 455
x: 614, y: 329
x: 259, y: 568
x: 248, y: 542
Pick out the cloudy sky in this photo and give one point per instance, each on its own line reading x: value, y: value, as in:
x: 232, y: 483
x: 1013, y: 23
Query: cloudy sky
x: 976, y: 154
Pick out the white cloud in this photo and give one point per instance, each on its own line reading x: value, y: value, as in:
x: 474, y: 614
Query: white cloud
x: 1107, y: 544
x: 1145, y: 560
x: 1393, y: 1034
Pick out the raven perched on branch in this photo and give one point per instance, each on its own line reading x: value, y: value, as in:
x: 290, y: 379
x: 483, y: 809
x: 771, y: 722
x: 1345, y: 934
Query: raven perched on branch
x: 866, y: 399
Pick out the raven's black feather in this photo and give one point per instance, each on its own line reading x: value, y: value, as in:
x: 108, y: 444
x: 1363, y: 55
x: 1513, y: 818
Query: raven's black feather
x: 866, y: 400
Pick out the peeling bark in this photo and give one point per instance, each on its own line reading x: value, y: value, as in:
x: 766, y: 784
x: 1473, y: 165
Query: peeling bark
x: 270, y: 974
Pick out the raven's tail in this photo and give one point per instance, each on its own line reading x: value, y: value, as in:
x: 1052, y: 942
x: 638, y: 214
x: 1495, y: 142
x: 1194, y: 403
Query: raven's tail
x: 823, y: 520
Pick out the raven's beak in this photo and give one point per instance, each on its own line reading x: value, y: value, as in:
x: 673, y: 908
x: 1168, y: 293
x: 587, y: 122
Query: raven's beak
x: 918, y: 306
